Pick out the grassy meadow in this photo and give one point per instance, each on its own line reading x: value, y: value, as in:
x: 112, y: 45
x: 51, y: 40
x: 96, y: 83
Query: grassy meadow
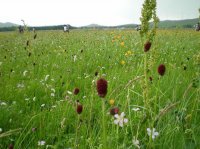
x: 38, y: 107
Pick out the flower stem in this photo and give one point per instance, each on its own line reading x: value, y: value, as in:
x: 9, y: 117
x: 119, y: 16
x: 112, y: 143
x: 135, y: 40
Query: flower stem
x: 145, y: 93
x: 103, y: 123
x: 77, y: 131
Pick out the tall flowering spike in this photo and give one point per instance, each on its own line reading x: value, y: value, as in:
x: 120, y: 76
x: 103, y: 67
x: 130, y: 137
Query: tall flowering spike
x: 79, y: 108
x: 161, y: 69
x: 147, y: 46
x: 102, y: 86
x: 76, y: 91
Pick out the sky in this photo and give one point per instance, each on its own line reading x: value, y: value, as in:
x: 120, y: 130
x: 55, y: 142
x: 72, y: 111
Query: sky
x: 84, y: 12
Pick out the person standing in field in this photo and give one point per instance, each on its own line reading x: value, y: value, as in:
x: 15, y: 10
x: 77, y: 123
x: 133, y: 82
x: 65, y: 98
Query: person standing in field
x: 66, y: 28
x: 197, y: 28
x: 34, y: 30
x: 21, y: 29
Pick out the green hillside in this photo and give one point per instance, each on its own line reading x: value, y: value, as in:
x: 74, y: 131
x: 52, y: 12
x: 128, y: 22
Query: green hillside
x: 7, y: 24
x: 189, y: 23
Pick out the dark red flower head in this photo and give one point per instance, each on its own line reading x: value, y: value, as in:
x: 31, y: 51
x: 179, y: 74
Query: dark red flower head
x: 79, y: 108
x: 147, y: 46
x: 76, y: 91
x: 161, y: 69
x: 102, y: 86
x: 11, y: 146
x: 114, y: 111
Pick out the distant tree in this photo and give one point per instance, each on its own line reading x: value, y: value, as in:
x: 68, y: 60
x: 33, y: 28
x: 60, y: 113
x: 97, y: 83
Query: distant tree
x: 199, y: 15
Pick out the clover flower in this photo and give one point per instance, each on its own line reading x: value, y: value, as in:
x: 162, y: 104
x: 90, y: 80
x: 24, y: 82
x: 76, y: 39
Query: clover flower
x: 120, y: 120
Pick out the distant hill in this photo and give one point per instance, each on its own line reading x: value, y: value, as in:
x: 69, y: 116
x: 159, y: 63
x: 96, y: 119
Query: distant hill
x: 92, y: 26
x: 7, y: 24
x: 189, y: 23
x: 96, y: 26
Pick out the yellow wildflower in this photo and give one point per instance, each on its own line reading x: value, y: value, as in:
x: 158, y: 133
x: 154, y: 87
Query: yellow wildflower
x: 122, y: 44
x: 112, y: 101
x: 122, y: 62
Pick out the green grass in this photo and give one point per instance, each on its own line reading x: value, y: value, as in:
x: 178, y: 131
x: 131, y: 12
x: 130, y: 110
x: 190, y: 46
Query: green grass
x: 71, y: 61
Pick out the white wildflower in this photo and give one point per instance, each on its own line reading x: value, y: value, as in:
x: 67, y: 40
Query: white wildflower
x: 104, y: 75
x: 27, y: 99
x: 3, y: 103
x: 41, y: 143
x: 24, y: 73
x: 1, y: 130
x: 46, y: 77
x: 20, y: 85
x: 43, y: 105
x: 136, y: 142
x: 34, y: 98
x: 75, y: 58
x: 53, y: 90
x: 152, y: 133
x: 120, y: 120
x: 87, y: 76
x: 54, y: 106
x: 136, y: 109
x: 52, y: 94
x: 62, y: 123
x: 68, y: 92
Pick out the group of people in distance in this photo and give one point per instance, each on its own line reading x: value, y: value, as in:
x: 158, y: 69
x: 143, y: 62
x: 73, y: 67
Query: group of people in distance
x: 21, y: 29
